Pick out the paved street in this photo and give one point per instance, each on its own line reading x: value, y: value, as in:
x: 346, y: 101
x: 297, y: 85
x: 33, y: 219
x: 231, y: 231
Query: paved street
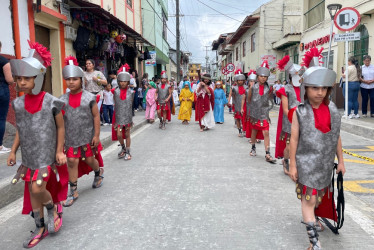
x: 185, y: 189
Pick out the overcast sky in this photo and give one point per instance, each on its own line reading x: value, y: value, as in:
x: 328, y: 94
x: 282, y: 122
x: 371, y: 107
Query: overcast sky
x: 200, y: 24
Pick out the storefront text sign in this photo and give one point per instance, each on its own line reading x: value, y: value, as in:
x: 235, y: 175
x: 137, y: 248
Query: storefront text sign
x: 316, y: 42
x: 347, y: 37
x: 152, y: 61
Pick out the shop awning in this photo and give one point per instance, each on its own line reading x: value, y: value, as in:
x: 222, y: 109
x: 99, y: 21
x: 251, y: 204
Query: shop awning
x: 106, y: 15
x: 287, y: 41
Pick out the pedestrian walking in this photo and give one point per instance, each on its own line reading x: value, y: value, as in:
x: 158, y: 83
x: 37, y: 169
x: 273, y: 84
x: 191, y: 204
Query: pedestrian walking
x: 5, y: 80
x: 108, y: 104
x: 40, y: 133
x: 205, y: 104
x: 94, y: 80
x: 290, y: 99
x: 123, y: 101
x: 82, y: 131
x: 245, y: 109
x: 140, y: 96
x: 259, y: 96
x: 354, y: 75
x: 219, y: 103
x: 186, y: 99
x: 151, y: 98
x: 164, y: 94
x: 237, y: 92
x: 367, y: 86
x: 314, y: 143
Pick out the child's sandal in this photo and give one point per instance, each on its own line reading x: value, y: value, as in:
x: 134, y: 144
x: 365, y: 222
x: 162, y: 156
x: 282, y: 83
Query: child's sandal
x: 98, y: 180
x: 270, y: 159
x: 35, y: 236
x: 72, y: 197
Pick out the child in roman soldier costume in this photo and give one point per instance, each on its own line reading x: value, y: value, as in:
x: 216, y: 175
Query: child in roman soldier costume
x: 290, y: 98
x: 245, y: 105
x: 237, y: 92
x: 123, y: 99
x: 40, y: 133
x: 205, y: 103
x: 259, y: 96
x: 82, y: 130
x: 315, y: 141
x: 164, y: 94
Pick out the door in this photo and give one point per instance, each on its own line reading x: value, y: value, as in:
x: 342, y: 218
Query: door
x: 42, y: 37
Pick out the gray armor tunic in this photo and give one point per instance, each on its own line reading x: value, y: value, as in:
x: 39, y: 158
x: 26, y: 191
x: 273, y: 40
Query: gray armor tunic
x: 259, y: 105
x: 162, y: 93
x: 37, y: 132
x: 316, y: 151
x: 292, y: 102
x: 79, y: 122
x: 237, y: 98
x: 123, y: 108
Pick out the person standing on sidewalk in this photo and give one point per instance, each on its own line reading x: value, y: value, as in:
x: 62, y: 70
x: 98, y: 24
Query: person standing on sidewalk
x: 354, y: 75
x: 123, y: 101
x: 367, y: 86
x: 164, y: 93
x: 40, y: 133
x: 237, y: 93
x: 82, y: 130
x: 259, y: 96
x: 151, y: 97
x: 5, y: 79
x: 108, y: 104
x: 290, y: 99
x: 315, y: 141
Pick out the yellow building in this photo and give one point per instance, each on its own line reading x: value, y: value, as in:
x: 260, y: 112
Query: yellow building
x: 194, y: 71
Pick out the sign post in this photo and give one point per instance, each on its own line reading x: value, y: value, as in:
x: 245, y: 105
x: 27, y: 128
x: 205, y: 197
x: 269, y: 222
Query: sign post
x: 346, y: 20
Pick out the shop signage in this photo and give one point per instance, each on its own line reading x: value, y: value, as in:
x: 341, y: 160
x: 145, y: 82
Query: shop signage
x: 347, y: 19
x: 316, y: 42
x: 152, y: 61
x: 65, y: 10
x: 272, y: 61
x: 347, y: 37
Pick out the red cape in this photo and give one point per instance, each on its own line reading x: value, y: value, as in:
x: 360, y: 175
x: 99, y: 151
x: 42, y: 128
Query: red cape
x: 327, y: 208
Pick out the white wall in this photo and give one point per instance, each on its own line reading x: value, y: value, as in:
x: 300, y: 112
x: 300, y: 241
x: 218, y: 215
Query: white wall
x: 7, y: 30
x: 23, y: 27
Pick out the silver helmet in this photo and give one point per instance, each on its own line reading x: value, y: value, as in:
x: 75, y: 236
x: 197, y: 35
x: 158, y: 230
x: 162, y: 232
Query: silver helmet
x: 72, y: 69
x: 263, y: 70
x: 164, y: 75
x: 292, y: 69
x: 252, y: 75
x: 123, y: 76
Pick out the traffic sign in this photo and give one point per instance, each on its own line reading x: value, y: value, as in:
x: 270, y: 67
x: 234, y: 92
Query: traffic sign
x: 224, y: 71
x: 230, y: 67
x: 353, y: 36
x: 347, y: 19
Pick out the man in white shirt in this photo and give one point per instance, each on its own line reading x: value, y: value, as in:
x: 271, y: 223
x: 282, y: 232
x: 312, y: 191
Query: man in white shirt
x: 367, y: 86
x: 277, y: 86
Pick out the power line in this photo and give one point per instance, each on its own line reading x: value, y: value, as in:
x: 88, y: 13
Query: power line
x: 218, y: 11
x: 227, y: 5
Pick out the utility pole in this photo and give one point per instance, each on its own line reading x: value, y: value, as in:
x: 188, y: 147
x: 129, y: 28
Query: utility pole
x: 206, y: 58
x: 178, y: 43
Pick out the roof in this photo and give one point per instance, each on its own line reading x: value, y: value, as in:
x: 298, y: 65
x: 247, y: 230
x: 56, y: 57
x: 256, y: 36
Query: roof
x: 244, y: 26
x: 100, y: 12
x: 220, y: 40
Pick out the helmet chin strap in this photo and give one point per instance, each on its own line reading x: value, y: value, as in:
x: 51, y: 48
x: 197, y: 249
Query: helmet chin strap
x: 38, y: 84
x: 296, y: 80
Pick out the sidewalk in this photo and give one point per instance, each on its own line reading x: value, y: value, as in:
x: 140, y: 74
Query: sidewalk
x: 9, y: 192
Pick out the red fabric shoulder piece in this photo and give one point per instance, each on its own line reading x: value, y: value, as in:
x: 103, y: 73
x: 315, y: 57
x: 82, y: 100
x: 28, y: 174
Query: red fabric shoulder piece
x: 123, y: 93
x: 290, y: 114
x: 280, y: 92
x: 261, y: 90
x: 34, y: 103
x: 322, y: 118
x: 241, y: 90
x: 75, y: 99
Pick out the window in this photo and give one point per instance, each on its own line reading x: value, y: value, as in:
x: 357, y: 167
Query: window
x: 315, y: 14
x: 237, y: 54
x: 331, y: 61
x: 296, y: 55
x: 361, y: 47
x: 253, y: 42
x: 244, y: 45
x: 164, y: 26
x: 129, y: 3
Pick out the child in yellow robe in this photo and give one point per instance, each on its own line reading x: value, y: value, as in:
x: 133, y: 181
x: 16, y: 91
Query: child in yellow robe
x: 186, y: 98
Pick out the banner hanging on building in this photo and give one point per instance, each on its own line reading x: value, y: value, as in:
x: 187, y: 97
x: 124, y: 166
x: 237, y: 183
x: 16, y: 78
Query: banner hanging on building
x: 152, y: 61
x: 272, y: 61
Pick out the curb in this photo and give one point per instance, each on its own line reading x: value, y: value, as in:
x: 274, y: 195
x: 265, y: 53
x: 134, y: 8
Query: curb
x: 10, y: 192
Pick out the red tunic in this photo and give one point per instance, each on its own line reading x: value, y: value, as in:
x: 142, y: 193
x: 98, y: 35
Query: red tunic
x: 203, y: 104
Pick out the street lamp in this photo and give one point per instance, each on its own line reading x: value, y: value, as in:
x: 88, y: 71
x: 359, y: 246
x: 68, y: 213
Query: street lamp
x: 333, y: 9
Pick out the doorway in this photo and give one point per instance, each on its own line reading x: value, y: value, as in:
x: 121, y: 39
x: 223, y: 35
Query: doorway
x: 42, y: 36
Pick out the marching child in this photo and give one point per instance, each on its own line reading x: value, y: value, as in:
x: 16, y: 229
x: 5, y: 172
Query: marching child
x: 237, y: 92
x: 315, y: 140
x: 186, y: 98
x: 40, y: 133
x: 245, y: 106
x: 123, y: 100
x: 82, y: 130
x: 164, y: 93
x: 259, y: 96
x: 219, y: 103
x: 151, y: 97
x: 290, y: 98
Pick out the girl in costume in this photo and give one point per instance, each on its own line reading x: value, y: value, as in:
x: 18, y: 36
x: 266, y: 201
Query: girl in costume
x: 259, y: 96
x: 290, y: 98
x: 237, y: 92
x: 82, y: 130
x: 315, y: 141
x: 150, y: 96
x: 186, y: 98
x: 40, y: 133
x: 164, y: 94
x: 123, y: 100
x: 205, y: 103
x: 219, y: 103
x: 245, y: 106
